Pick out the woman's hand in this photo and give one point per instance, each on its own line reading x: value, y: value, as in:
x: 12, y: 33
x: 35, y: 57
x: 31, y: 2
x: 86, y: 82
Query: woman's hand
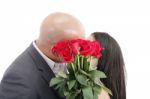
x: 104, y: 95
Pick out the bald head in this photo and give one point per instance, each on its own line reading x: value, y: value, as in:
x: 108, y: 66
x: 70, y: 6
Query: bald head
x: 57, y: 27
x: 60, y: 26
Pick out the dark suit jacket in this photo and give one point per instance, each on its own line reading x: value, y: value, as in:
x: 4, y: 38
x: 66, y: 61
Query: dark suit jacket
x: 28, y: 78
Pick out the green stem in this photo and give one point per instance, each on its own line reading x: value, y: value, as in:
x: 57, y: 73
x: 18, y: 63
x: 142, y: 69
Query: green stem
x: 82, y: 59
x: 73, y: 67
x: 90, y: 62
x: 83, y: 72
x: 78, y: 62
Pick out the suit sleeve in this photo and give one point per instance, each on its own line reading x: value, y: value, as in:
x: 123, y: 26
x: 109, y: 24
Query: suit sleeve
x: 14, y: 85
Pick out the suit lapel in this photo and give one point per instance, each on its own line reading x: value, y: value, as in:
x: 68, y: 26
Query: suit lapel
x: 41, y: 64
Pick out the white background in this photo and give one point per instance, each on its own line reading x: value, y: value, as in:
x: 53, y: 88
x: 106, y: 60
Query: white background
x: 128, y: 21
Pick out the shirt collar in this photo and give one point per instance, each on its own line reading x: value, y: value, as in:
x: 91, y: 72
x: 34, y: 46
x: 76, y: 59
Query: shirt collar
x: 48, y: 61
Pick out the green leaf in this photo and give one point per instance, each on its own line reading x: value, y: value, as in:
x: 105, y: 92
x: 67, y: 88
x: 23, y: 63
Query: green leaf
x: 82, y: 79
x: 62, y: 74
x: 98, y: 82
x: 56, y: 80
x: 85, y: 73
x: 71, y: 84
x: 66, y: 93
x: 97, y: 89
x: 95, y: 95
x: 87, y: 92
x: 79, y: 97
x: 59, y: 85
x: 93, y: 63
x: 61, y: 91
x: 72, y: 95
x: 107, y: 90
x: 97, y: 74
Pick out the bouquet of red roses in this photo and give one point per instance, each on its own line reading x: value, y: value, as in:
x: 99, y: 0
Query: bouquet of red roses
x: 82, y: 80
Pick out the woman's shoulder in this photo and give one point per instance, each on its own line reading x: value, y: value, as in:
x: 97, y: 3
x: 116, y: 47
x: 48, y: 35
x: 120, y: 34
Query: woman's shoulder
x: 104, y: 95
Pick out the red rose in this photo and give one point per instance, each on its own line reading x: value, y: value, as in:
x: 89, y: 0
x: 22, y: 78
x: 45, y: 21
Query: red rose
x: 82, y: 47
x: 86, y: 47
x: 63, y: 49
x: 75, y: 46
x: 68, y: 49
x: 97, y: 49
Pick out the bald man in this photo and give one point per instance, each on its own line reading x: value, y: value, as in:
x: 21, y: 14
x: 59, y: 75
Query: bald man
x: 29, y: 75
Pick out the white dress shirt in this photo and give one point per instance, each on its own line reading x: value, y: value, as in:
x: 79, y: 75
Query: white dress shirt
x: 55, y: 67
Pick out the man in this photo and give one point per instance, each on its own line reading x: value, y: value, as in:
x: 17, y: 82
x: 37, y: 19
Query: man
x: 29, y: 75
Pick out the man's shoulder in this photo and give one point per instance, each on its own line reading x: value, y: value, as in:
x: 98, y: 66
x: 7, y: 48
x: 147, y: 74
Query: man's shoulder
x: 22, y: 65
x: 19, y: 79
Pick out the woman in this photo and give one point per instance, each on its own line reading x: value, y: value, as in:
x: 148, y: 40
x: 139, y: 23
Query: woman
x: 112, y: 64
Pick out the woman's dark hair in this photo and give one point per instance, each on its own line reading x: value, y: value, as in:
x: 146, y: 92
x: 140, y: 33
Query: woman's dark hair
x: 112, y: 64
